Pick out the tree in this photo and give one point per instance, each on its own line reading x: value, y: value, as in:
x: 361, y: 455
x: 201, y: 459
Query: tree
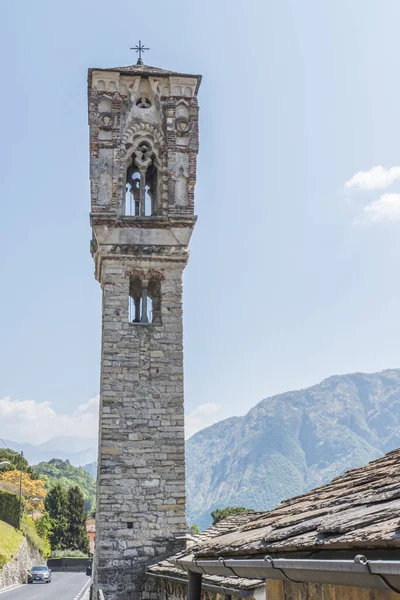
x: 57, y: 507
x: 17, y: 462
x: 77, y: 537
x: 195, y: 529
x: 44, y: 526
x: 222, y: 513
x: 31, y: 488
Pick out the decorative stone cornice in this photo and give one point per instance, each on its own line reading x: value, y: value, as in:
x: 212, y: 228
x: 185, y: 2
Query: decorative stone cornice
x: 156, y: 222
x: 129, y: 250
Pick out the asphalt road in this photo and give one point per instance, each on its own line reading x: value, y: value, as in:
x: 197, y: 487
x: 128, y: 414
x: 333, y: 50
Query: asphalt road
x: 63, y: 586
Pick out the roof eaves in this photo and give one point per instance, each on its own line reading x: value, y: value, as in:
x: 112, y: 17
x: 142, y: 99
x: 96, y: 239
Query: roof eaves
x: 359, y: 572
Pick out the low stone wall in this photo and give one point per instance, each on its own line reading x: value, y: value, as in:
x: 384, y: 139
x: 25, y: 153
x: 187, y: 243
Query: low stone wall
x: 73, y: 565
x: 16, y: 570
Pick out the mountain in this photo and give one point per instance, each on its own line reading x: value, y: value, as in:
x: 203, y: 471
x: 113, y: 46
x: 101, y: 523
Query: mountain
x: 59, y: 471
x: 292, y: 442
x: 78, y: 451
x: 91, y: 468
x: 64, y: 443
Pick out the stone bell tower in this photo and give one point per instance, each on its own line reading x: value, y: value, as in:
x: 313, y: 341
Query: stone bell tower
x: 143, y: 149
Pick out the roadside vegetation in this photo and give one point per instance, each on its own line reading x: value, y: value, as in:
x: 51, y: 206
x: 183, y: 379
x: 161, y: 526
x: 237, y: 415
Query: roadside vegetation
x: 68, y: 554
x: 49, y: 514
x: 66, y: 509
x: 10, y: 541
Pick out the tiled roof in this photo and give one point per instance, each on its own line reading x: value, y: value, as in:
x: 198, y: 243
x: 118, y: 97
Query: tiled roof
x: 360, y: 509
x: 169, y: 567
x: 146, y: 70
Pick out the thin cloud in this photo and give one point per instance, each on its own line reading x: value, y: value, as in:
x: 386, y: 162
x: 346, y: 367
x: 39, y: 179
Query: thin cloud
x: 377, y: 178
x: 384, y: 210
x: 203, y: 416
x: 36, y: 422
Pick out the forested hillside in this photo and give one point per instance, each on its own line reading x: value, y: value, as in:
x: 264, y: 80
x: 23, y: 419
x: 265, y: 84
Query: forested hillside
x: 61, y: 471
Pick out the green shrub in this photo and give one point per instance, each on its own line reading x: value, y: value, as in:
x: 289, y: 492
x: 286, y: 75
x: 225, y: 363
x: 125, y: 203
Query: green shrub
x: 9, y: 508
x: 68, y: 554
x: 223, y: 513
x: 29, y: 530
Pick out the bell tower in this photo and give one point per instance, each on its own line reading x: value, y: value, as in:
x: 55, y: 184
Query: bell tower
x: 143, y: 150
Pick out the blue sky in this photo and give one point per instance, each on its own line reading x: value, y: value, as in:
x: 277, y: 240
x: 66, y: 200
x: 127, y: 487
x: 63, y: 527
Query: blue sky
x: 293, y: 276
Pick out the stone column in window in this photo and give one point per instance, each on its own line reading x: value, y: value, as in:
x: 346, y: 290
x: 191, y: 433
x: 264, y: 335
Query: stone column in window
x: 129, y: 195
x: 136, y: 195
x: 137, y: 309
x: 145, y: 318
x: 142, y: 191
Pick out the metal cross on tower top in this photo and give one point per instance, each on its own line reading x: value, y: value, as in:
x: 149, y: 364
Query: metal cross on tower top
x: 140, y: 48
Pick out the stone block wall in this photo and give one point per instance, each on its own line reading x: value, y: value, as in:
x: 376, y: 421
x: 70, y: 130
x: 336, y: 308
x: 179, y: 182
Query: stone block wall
x: 143, y: 150
x: 16, y: 570
x: 141, y: 496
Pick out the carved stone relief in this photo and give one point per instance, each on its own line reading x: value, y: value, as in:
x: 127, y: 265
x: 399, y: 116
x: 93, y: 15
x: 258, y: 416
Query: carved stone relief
x: 105, y: 182
x: 180, y: 166
x: 143, y: 102
x: 183, y: 124
x: 181, y: 189
x: 104, y: 195
x: 106, y: 121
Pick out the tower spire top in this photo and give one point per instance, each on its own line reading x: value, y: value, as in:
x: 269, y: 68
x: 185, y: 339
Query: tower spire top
x: 140, y: 49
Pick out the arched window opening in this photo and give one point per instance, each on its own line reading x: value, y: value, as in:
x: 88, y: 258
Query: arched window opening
x: 135, y: 300
x: 154, y: 294
x: 141, y: 197
x: 144, y: 303
x: 147, y: 201
x: 132, y: 195
x: 150, y: 309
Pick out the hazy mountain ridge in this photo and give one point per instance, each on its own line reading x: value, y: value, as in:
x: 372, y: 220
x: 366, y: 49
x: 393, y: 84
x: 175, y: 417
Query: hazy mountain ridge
x: 78, y: 451
x: 292, y: 442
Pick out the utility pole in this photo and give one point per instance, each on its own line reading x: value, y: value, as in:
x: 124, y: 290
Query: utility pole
x: 20, y: 491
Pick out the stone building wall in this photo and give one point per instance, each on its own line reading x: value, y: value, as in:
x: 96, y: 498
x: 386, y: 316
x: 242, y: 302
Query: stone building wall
x: 164, y: 589
x: 286, y: 590
x: 141, y: 499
